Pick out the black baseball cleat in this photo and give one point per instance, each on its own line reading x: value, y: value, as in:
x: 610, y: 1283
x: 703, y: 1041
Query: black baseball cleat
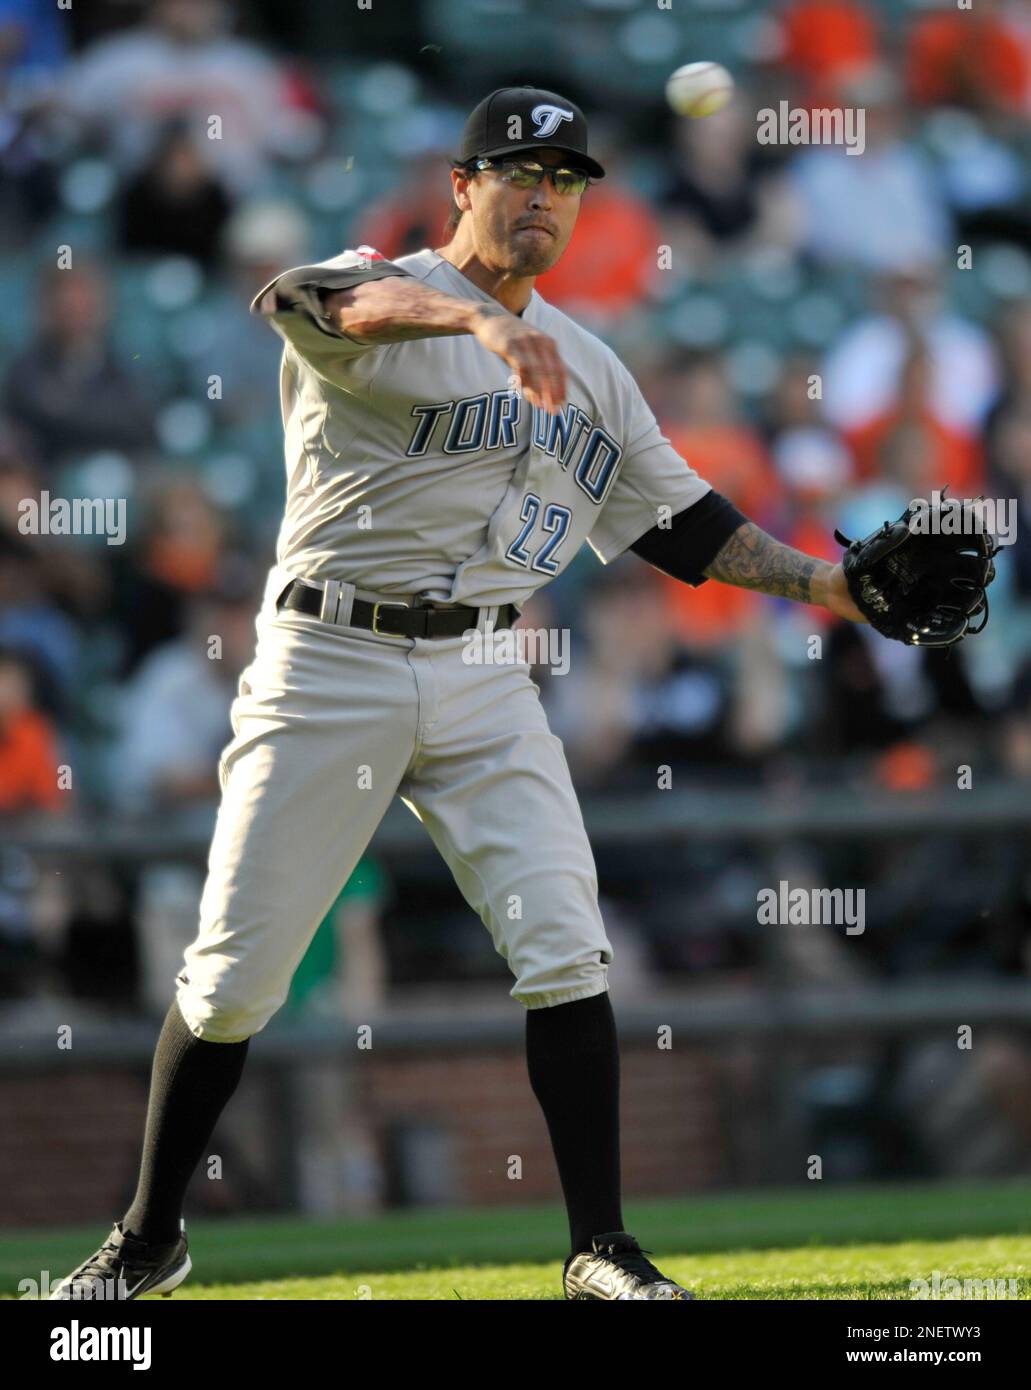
x: 125, y: 1268
x: 617, y: 1269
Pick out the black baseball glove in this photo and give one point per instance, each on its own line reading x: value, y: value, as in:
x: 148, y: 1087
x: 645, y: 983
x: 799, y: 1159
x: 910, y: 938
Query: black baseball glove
x: 923, y: 579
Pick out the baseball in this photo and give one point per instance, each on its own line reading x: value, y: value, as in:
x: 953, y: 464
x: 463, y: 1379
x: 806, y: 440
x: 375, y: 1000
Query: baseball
x: 699, y: 89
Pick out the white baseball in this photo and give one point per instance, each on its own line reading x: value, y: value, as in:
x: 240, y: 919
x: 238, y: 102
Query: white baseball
x: 699, y: 89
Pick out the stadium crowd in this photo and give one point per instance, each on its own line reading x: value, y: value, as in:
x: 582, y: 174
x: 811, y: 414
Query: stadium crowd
x: 822, y: 336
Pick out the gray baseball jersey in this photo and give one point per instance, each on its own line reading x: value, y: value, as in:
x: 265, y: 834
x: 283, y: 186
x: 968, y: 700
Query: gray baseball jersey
x: 416, y: 468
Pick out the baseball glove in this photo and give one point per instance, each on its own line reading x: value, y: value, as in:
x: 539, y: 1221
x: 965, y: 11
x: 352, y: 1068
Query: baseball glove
x: 923, y: 579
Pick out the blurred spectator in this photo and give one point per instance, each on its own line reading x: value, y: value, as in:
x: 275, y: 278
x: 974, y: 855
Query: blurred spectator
x: 68, y: 390
x: 881, y: 210
x: 77, y: 576
x: 175, y: 205
x: 722, y: 193
x: 863, y: 370
x: 866, y: 704
x: 28, y: 747
x: 879, y: 693
x: 19, y: 478
x: 968, y: 57
x: 814, y: 472
x: 1011, y: 485
x: 416, y: 215
x: 825, y: 41
x: 32, y: 625
x: 809, y: 456
x: 175, y: 718
x: 814, y: 467
x: 19, y: 954
x: 181, y: 62
x: 983, y: 177
x: 1016, y: 727
x: 795, y: 399
x: 1015, y: 360
x: 1015, y: 345
x: 33, y: 42
x: 710, y: 432
x: 89, y: 945
x: 909, y: 445
x: 260, y: 240
x: 178, y: 556
x: 1011, y: 482
x: 636, y: 697
x: 1008, y: 438
x: 1016, y: 15
x: 28, y: 176
x: 32, y: 54
x: 345, y: 971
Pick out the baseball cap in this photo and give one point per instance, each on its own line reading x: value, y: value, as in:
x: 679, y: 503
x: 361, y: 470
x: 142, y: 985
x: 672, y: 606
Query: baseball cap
x: 543, y: 119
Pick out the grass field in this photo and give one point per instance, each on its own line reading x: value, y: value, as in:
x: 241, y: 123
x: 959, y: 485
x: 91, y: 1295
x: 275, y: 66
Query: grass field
x: 812, y: 1244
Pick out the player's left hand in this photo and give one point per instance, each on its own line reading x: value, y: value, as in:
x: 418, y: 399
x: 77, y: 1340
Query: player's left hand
x: 837, y: 597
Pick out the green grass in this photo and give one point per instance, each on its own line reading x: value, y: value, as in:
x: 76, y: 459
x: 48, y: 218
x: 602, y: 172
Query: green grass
x: 825, y: 1272
x: 799, y: 1244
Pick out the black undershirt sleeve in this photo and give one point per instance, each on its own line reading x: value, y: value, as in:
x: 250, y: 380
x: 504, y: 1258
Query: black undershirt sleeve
x: 693, y: 538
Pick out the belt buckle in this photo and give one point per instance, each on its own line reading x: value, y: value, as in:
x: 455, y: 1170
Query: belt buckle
x: 385, y: 632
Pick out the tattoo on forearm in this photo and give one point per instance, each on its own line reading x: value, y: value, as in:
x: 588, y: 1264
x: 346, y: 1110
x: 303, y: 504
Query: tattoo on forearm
x: 397, y: 310
x: 753, y: 560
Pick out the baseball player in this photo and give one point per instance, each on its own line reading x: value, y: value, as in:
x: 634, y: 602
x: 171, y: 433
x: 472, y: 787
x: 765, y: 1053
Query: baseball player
x: 452, y: 440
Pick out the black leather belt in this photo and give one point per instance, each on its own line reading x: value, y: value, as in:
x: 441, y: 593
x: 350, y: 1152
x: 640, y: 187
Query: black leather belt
x: 393, y: 619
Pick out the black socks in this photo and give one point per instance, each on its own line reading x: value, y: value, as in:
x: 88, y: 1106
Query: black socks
x: 573, y: 1061
x: 191, y: 1082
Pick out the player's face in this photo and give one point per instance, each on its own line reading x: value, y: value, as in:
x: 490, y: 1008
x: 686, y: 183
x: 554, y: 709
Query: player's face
x: 522, y: 231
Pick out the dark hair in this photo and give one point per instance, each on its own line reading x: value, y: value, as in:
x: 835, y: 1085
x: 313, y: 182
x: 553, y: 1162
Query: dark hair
x: 453, y: 219
x: 455, y: 214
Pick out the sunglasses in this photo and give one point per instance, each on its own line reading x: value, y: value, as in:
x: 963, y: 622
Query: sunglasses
x: 527, y: 173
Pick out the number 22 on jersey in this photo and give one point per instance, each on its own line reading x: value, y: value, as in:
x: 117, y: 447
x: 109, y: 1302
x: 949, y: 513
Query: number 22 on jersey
x: 554, y: 522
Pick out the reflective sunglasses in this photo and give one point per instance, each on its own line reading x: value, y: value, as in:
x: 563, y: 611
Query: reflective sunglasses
x: 527, y: 173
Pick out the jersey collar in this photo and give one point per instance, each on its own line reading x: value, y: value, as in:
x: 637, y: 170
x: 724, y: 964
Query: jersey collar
x: 474, y: 291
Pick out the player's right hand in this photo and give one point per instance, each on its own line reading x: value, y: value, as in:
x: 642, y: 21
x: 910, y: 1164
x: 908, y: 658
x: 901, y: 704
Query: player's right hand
x: 532, y: 355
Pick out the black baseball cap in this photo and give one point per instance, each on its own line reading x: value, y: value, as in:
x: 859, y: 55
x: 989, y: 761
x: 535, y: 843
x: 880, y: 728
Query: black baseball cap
x: 545, y: 119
